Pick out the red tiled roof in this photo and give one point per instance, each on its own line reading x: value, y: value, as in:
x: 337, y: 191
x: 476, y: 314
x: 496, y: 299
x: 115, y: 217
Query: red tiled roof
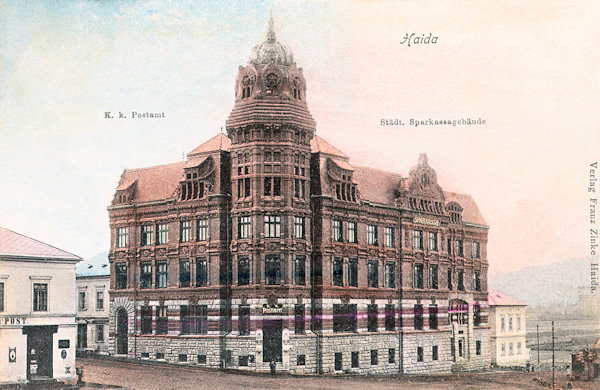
x: 154, y: 183
x: 17, y: 245
x: 376, y: 185
x: 379, y: 186
x: 218, y: 142
x: 318, y: 144
x: 470, y: 210
x: 500, y: 298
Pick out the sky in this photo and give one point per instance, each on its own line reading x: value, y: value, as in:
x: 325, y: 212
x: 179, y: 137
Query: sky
x: 529, y: 68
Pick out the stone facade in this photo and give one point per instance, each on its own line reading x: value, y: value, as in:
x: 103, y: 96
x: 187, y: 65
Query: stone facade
x: 266, y: 244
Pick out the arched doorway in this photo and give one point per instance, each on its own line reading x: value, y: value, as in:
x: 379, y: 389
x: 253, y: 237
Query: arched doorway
x: 122, y: 325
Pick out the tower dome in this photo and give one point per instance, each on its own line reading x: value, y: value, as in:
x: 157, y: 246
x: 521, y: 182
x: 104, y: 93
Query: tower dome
x: 270, y: 50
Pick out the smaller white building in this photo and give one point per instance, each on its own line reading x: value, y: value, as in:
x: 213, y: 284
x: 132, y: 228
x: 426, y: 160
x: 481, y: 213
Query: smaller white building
x: 93, y: 283
x: 37, y: 310
x: 508, y: 332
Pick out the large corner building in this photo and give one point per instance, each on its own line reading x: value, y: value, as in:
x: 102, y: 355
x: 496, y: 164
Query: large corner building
x: 267, y: 244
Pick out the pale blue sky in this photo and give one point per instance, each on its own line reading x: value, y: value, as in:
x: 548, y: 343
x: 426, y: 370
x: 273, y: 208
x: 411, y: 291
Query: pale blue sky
x: 528, y: 69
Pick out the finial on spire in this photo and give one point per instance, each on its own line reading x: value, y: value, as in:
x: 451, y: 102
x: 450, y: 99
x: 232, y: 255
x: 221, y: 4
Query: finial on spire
x: 271, y: 33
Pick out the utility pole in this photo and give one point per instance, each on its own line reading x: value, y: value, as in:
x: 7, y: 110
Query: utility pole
x: 552, y: 354
x: 537, y: 334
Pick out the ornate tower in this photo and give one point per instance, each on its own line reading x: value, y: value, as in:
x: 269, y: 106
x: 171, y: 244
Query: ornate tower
x: 270, y: 128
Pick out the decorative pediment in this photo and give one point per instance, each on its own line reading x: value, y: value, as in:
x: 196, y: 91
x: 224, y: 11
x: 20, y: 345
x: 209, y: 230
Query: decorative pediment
x: 422, y: 181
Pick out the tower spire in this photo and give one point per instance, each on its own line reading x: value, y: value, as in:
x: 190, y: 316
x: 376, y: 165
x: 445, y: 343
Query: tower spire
x: 271, y: 33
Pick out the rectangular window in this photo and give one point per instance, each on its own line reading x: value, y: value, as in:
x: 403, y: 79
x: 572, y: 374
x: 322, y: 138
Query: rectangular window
x: 390, y: 318
x: 476, y: 281
x: 82, y: 301
x: 338, y: 271
x: 185, y: 229
x: 372, y: 235
x: 202, y: 229
x: 162, y: 321
x: 338, y: 361
x: 162, y: 233
x: 390, y: 275
x: 417, y: 239
x: 449, y: 246
x: 201, y: 272
x: 459, y: 248
x: 518, y: 318
x: 374, y: 360
x: 418, y: 316
x: 300, y: 360
x: 388, y: 233
x: 478, y: 348
x: 476, y: 250
x: 336, y: 228
x: 434, y: 352
x: 299, y: 231
x: 246, y: 187
x: 373, y: 273
x: 121, y: 276
x: 267, y: 186
x: 1, y: 296
x: 182, y: 357
x: 372, y: 314
x: 146, y: 274
x: 244, y: 320
x: 194, y: 319
x: 418, y: 276
x: 146, y: 325
x: 419, y: 354
x: 100, y: 300
x: 276, y: 186
x: 344, y: 318
x: 510, y: 349
x: 433, y: 317
x: 433, y: 277
x: 355, y: 359
x: 272, y: 270
x: 510, y: 324
x: 121, y: 237
x: 461, y: 280
x: 243, y: 227
x: 184, y: 273
x: 391, y: 355
x: 243, y: 361
x: 272, y: 226
x: 503, y: 349
x: 99, y: 333
x: 502, y: 324
x: 300, y: 270
x: 201, y: 359
x: 243, y: 271
x: 476, y: 314
x: 147, y: 234
x: 449, y: 278
x: 433, y: 241
x: 299, y: 327
x: 353, y: 272
x: 161, y: 274
x: 352, y: 232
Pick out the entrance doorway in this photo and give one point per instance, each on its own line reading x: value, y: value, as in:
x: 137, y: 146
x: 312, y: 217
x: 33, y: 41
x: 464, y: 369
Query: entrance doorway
x: 271, y: 340
x: 81, y: 336
x: 122, y: 325
x: 39, y: 351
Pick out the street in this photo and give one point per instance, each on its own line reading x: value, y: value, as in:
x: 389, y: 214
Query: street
x: 111, y: 374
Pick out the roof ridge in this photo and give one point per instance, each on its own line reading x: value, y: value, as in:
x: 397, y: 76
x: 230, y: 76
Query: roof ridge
x: 153, y: 167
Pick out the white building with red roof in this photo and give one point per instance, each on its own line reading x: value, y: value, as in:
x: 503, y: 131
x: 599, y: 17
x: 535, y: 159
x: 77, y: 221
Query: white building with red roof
x: 508, y: 330
x: 37, y: 310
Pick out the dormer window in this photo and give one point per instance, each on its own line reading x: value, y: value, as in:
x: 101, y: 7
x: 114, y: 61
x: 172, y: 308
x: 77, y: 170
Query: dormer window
x: 455, y: 212
x: 192, y: 187
x: 346, y: 190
